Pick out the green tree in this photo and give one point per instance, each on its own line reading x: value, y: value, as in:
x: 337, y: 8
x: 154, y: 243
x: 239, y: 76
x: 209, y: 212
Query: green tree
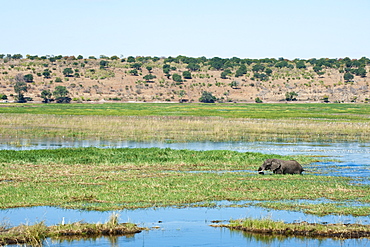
x: 28, y: 78
x: 166, y: 71
x: 149, y: 77
x: 193, y: 66
x: 291, y: 96
x: 134, y: 72
x: 103, y: 64
x: 67, y: 72
x: 60, y: 91
x: 241, y: 71
x: 281, y: 64
x: 131, y: 59
x: 186, y: 74
x: 234, y: 84
x: 223, y: 75
x: 207, y: 97
x: 149, y: 68
x: 258, y: 100
x: 3, y: 96
x: 317, y: 68
x: 258, y: 67
x: 20, y: 87
x: 260, y: 76
x: 136, y: 66
x: 17, y: 56
x: 58, y: 79
x: 60, y: 94
x: 300, y: 65
x: 46, y: 73
x: 348, y: 77
x: 217, y: 63
x: 361, y: 72
x: 46, y: 95
x: 268, y: 71
x: 177, y: 77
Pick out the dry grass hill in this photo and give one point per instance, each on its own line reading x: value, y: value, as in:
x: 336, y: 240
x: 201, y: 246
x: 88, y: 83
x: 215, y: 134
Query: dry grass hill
x: 174, y: 79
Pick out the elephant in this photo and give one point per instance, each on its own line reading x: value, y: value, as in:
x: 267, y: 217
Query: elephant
x: 281, y: 166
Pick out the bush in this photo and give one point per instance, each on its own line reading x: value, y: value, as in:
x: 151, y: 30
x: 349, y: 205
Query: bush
x: 207, y: 97
x: 149, y: 77
x: 258, y: 100
x: 186, y: 75
x: 348, y: 77
x: 28, y: 78
x: 177, y: 78
x: 63, y: 99
x: 325, y: 98
x: 291, y: 96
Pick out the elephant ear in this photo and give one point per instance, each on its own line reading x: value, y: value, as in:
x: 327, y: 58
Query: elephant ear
x: 275, y: 165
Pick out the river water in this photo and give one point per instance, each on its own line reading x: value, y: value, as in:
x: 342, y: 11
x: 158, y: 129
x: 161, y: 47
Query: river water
x: 191, y: 226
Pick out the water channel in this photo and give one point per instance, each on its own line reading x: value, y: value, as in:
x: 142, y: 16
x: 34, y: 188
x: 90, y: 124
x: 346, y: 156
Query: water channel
x: 190, y: 226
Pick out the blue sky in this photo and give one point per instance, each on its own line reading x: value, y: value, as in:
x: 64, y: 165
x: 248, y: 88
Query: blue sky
x: 223, y: 28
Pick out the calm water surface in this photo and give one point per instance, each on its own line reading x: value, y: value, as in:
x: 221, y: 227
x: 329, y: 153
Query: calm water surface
x: 190, y: 226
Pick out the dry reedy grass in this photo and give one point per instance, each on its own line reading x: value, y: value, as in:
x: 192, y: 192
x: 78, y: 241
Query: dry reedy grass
x: 179, y: 128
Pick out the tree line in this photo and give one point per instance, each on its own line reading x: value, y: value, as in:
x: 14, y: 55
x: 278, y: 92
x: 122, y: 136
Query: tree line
x: 262, y: 69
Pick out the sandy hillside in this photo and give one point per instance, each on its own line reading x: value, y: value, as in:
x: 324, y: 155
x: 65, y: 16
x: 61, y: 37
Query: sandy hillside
x: 114, y: 79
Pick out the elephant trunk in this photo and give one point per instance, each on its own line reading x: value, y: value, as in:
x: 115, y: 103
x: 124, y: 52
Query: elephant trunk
x: 260, y: 170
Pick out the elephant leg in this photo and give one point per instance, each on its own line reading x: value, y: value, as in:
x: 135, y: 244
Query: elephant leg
x: 278, y: 171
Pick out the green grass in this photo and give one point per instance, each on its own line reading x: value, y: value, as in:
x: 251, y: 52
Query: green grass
x: 321, y: 209
x: 113, y: 179
x: 355, y: 112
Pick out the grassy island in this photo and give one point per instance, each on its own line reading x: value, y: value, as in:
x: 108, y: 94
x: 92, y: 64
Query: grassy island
x: 124, y: 178
x: 35, y: 234
x: 268, y: 226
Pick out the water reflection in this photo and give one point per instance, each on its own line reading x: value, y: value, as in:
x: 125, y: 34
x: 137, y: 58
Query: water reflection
x: 182, y: 226
x: 269, y: 240
x: 169, y: 216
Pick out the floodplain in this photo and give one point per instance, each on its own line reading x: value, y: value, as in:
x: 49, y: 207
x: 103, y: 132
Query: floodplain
x: 108, y: 179
x: 188, y: 122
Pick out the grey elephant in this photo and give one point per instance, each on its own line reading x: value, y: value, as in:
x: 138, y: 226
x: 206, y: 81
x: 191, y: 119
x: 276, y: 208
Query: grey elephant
x: 281, y: 166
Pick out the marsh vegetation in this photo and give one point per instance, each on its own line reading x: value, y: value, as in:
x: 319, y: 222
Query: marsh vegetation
x: 112, y: 179
x: 35, y: 234
x: 187, y: 123
x: 268, y: 226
